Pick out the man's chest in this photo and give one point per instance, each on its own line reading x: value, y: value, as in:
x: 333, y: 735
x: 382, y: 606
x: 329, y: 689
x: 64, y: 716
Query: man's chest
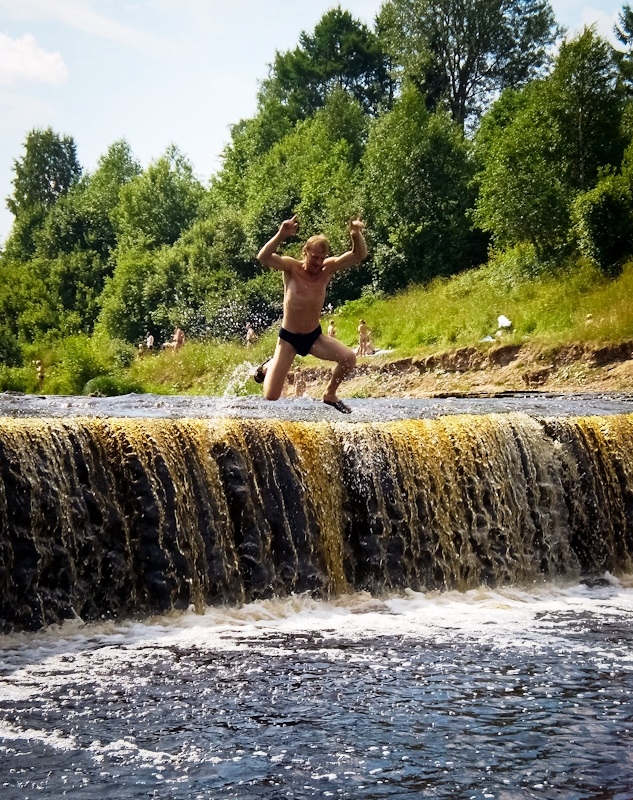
x: 304, y: 285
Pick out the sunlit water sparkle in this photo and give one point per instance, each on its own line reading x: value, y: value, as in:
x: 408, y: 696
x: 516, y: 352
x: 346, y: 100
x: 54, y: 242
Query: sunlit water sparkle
x: 487, y: 694
x: 537, y: 404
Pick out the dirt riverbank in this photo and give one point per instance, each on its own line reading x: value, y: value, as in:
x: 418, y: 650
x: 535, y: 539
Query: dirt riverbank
x: 572, y: 368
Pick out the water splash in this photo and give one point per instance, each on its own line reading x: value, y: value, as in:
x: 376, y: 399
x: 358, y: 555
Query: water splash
x: 238, y: 379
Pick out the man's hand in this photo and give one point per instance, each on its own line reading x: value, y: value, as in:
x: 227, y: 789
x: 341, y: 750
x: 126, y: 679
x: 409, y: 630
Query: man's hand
x: 289, y: 227
x: 356, y: 225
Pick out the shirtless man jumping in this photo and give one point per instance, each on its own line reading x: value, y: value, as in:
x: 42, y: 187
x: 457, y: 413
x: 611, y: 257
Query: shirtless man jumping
x: 305, y: 284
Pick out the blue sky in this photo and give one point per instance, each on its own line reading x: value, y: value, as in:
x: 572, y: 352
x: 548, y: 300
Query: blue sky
x: 158, y: 72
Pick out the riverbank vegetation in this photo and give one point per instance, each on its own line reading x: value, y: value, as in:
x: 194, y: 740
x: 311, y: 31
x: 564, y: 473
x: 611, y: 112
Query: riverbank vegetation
x: 505, y: 188
x: 577, y: 305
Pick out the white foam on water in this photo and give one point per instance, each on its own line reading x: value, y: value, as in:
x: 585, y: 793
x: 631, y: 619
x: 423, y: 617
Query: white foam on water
x: 107, y: 663
x: 54, y: 739
x: 127, y: 751
x: 506, y: 617
x: 237, y: 383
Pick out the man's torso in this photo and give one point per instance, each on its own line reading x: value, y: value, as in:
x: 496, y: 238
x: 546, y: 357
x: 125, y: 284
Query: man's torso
x: 304, y: 296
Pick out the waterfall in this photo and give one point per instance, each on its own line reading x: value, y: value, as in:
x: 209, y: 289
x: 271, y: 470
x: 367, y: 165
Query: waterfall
x: 119, y: 517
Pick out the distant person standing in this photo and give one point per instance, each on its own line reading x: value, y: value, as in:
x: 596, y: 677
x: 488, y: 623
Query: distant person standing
x: 331, y: 330
x: 363, y: 338
x: 177, y: 341
x: 149, y: 341
x: 39, y: 369
x: 179, y: 338
x: 250, y: 336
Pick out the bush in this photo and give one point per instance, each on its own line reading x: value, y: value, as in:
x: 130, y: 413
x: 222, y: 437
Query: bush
x: 15, y: 380
x: 79, y: 359
x: 603, y: 223
x: 10, y: 352
x: 80, y: 363
x: 112, y: 386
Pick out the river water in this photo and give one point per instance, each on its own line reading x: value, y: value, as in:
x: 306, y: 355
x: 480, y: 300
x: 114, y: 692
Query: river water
x: 510, y: 694
x: 520, y: 692
x: 538, y: 404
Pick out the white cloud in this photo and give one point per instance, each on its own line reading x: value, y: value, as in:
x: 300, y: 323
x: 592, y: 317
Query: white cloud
x: 82, y: 16
x: 575, y: 15
x: 24, y: 60
x: 602, y: 20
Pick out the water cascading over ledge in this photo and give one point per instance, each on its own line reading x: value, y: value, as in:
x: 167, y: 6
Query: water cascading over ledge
x: 114, y: 517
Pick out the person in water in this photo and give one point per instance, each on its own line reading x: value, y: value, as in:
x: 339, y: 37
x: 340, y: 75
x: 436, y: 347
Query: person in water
x: 305, y: 284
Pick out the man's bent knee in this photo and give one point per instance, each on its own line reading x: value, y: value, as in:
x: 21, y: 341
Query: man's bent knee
x: 268, y: 395
x: 348, y: 362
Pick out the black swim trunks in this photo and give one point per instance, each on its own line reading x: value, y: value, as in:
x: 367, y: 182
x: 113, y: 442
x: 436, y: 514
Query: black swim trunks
x: 302, y: 342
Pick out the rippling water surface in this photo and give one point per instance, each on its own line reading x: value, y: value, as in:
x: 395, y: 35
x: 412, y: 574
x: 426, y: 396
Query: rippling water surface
x: 510, y: 694
x: 254, y: 407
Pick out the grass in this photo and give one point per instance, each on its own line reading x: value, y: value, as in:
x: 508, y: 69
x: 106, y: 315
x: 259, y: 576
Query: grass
x: 574, y: 305
x: 203, y: 368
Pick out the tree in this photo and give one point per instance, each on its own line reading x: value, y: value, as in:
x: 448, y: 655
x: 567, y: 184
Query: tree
x: 540, y: 149
x: 623, y: 31
x: 82, y: 219
x: 417, y: 176
x: 585, y: 105
x: 156, y: 206
x: 207, y: 262
x: 311, y: 172
x: 77, y: 235
x: 202, y: 283
x: 10, y: 351
x: 603, y: 223
x: 76, y: 279
x: 47, y: 171
x: 251, y: 139
x: 124, y: 314
x: 341, y: 54
x: 114, y: 169
x: 20, y: 244
x: 218, y: 241
x: 522, y: 194
x: 27, y: 308
x: 463, y: 52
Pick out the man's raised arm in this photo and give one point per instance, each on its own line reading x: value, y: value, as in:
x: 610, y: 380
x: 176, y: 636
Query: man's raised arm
x: 268, y: 255
x: 358, y: 253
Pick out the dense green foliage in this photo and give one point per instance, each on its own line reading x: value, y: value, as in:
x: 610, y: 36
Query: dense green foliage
x: 461, y: 52
x: 447, y: 126
x: 341, y: 54
x: 424, y: 233
x: 541, y: 147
